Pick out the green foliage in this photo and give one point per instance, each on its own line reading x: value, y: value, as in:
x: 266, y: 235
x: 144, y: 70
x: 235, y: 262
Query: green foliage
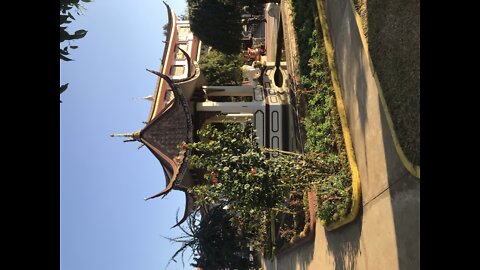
x: 303, y: 13
x: 242, y: 174
x: 244, y: 2
x: 66, y: 17
x: 246, y: 175
x: 215, y: 243
x: 322, y: 122
x: 334, y: 197
x: 293, y: 225
x: 165, y: 30
x: 63, y: 87
x: 217, y: 24
x: 318, y: 124
x: 221, y: 69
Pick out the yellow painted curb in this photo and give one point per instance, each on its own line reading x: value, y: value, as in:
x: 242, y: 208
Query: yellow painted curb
x: 356, y: 189
x: 411, y: 168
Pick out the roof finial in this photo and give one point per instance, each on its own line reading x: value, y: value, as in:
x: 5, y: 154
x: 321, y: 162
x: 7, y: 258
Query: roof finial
x: 135, y: 136
x: 149, y: 97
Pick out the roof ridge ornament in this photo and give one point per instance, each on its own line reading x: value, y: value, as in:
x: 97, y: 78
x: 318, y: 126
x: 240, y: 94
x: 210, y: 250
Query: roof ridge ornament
x: 135, y: 136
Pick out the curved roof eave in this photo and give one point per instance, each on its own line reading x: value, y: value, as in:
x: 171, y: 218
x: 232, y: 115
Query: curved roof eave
x: 158, y: 96
x: 175, y: 161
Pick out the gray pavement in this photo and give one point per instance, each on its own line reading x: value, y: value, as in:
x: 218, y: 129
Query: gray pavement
x: 386, y: 234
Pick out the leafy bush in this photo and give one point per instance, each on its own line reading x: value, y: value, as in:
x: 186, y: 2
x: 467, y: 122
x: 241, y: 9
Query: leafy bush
x: 221, y: 69
x: 243, y: 176
x: 215, y: 243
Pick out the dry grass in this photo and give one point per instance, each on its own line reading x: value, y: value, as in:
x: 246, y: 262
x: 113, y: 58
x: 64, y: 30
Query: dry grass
x: 392, y: 30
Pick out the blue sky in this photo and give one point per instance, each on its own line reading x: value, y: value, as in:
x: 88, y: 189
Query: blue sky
x: 104, y: 221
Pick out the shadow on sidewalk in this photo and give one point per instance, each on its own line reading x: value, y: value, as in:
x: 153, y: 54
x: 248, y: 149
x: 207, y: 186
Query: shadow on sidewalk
x: 405, y: 203
x: 302, y: 259
x: 344, y: 244
x: 381, y: 170
x: 298, y: 258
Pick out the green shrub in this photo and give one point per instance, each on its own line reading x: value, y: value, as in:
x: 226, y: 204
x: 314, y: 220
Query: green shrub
x: 322, y: 124
x: 221, y: 69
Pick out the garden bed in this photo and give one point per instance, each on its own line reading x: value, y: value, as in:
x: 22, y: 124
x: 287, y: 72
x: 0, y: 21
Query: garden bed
x: 321, y: 120
x: 322, y: 131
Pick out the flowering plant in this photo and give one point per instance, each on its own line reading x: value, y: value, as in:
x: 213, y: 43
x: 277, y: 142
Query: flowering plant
x: 241, y: 174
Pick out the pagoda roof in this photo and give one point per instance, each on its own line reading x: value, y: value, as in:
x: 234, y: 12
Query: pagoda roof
x: 165, y: 134
x: 170, y: 122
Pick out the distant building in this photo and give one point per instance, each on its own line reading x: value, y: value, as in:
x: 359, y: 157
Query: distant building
x: 182, y: 104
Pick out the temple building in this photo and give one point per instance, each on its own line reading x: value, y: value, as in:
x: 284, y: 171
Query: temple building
x: 183, y: 103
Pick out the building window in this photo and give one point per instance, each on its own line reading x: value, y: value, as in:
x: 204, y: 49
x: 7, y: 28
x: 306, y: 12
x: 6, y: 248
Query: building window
x: 179, y: 54
x: 177, y: 70
x: 183, y: 32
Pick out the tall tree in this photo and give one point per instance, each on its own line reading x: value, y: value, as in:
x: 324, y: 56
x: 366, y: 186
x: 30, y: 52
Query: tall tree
x: 217, y: 23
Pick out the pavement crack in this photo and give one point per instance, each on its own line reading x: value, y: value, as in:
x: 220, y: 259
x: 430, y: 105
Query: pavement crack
x: 387, y: 188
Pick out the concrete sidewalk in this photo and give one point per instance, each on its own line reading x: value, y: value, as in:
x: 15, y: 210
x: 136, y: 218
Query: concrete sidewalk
x: 386, y: 234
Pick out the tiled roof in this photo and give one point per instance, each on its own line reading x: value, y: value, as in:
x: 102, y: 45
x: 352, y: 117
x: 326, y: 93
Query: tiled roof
x: 166, y: 133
